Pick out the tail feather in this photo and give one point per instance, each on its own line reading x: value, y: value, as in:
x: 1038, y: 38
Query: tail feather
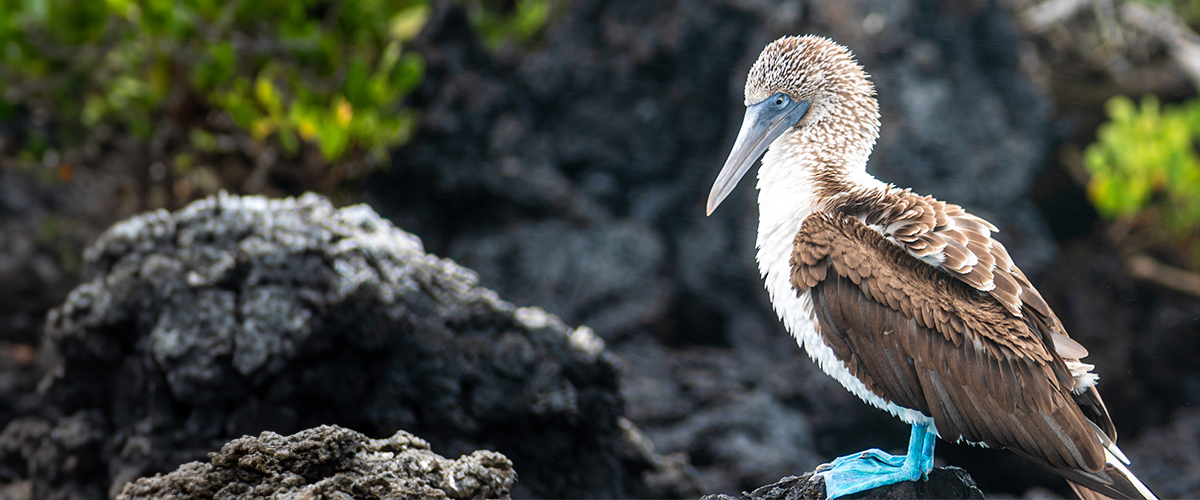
x: 1109, y: 443
x: 1085, y: 493
x: 1129, y: 482
x: 1114, y: 481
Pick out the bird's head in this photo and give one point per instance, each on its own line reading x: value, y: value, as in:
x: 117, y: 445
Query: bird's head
x: 796, y: 82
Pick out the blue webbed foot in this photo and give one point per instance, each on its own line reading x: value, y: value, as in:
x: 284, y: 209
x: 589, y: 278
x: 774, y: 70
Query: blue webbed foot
x: 874, y: 468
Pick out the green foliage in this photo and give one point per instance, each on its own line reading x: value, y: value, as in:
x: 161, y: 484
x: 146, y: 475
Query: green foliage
x: 521, y: 21
x: 330, y: 72
x: 1144, y: 165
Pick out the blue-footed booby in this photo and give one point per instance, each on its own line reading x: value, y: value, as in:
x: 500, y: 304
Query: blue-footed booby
x: 907, y: 301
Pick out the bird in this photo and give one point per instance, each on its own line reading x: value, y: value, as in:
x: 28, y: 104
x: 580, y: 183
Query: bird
x: 906, y: 300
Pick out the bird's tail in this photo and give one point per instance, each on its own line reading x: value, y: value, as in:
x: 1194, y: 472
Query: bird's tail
x: 1118, y: 482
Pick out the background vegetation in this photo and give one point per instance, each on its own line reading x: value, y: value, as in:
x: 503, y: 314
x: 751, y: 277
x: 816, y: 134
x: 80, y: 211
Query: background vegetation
x: 332, y: 75
x: 228, y: 90
x: 1145, y: 174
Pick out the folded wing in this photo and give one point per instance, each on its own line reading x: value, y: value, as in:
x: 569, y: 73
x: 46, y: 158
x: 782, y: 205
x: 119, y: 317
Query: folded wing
x: 925, y: 341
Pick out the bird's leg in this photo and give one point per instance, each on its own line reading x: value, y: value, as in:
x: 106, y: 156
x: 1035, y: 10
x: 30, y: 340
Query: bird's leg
x: 874, y: 468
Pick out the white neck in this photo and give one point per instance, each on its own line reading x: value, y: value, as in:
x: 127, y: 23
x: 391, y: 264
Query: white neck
x: 797, y: 174
x: 792, y: 184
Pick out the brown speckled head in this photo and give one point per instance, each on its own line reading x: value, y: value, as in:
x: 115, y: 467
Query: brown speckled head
x: 806, y: 67
x: 808, y: 95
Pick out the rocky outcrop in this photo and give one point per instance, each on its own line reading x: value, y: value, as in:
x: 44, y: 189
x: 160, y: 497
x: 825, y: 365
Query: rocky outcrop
x: 943, y: 482
x: 331, y: 462
x: 237, y: 315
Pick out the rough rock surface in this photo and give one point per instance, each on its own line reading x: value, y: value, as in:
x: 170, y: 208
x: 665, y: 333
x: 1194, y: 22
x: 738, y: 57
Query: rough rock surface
x: 573, y: 177
x: 331, y: 462
x: 944, y: 482
x: 236, y: 315
x: 1165, y: 458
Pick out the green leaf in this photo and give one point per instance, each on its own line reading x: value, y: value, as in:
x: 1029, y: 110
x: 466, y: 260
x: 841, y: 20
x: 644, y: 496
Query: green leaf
x: 406, y: 24
x: 1144, y: 161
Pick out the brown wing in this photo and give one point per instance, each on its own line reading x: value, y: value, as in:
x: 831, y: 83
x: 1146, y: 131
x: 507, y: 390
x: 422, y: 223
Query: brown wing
x: 927, y: 227
x: 932, y: 344
x: 932, y: 229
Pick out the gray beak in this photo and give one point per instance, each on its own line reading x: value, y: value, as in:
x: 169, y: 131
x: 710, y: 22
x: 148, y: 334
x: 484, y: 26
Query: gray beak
x: 764, y: 122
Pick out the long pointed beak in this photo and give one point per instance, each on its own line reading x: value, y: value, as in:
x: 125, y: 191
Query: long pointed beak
x: 764, y: 122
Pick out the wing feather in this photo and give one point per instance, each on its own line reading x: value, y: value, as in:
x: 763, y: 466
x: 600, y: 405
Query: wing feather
x: 938, y: 346
x: 958, y: 243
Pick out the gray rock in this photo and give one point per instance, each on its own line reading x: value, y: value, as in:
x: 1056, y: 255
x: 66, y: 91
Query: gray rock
x: 698, y: 405
x: 1165, y: 458
x: 42, y: 231
x: 331, y: 462
x: 61, y: 453
x: 604, y: 276
x: 943, y: 482
x: 237, y: 315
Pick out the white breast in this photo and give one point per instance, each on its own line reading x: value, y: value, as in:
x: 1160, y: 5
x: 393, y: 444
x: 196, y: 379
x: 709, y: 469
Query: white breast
x: 786, y: 197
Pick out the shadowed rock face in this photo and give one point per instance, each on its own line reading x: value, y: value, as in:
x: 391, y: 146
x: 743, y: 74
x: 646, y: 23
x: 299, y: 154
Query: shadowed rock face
x: 331, y: 462
x: 238, y: 315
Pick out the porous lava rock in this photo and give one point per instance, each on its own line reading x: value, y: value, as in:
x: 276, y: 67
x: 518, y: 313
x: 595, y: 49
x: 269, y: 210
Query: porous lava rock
x: 237, y: 315
x: 331, y: 462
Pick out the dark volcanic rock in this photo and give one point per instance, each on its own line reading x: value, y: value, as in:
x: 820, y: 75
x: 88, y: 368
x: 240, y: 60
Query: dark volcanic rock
x: 331, y: 462
x: 616, y: 126
x: 41, y: 233
x: 1144, y: 340
x: 573, y: 177
x: 1165, y: 458
x: 944, y: 483
x: 62, y: 453
x: 238, y: 315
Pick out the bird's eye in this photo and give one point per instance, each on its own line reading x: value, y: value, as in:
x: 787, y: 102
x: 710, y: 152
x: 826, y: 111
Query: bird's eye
x: 780, y: 100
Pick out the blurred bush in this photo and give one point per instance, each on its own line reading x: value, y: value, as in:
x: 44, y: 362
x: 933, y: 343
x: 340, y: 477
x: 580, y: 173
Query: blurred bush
x: 1187, y: 10
x: 332, y: 73
x: 1145, y: 173
x: 521, y: 21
